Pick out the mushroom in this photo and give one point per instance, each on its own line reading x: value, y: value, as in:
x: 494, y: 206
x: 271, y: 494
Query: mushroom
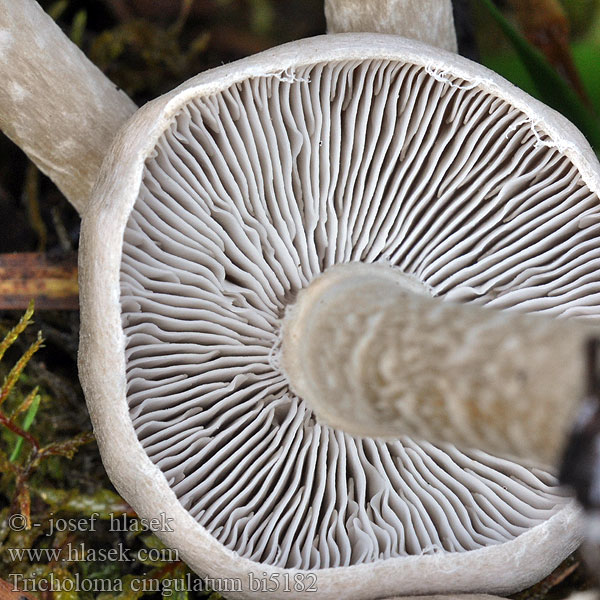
x: 215, y: 206
x: 253, y: 180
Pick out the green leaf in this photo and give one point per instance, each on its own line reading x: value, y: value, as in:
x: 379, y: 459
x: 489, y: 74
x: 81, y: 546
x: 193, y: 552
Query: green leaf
x: 78, y: 27
x: 552, y: 88
x: 57, y: 9
x: 262, y: 16
x: 585, y: 56
x: 29, y: 418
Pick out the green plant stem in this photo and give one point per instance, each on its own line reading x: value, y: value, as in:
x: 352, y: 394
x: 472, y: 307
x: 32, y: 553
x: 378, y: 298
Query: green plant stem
x: 29, y: 418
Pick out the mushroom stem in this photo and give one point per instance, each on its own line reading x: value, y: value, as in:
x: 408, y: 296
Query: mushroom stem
x: 429, y: 21
x: 54, y: 103
x: 373, y: 354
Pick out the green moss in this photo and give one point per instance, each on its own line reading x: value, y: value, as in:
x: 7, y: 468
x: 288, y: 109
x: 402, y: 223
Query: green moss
x: 80, y: 543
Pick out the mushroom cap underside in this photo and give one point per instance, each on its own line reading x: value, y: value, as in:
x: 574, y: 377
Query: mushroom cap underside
x: 223, y: 199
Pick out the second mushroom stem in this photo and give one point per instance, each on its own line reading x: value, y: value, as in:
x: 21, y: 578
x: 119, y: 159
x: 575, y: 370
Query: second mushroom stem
x: 54, y: 103
x: 373, y: 353
x: 429, y: 21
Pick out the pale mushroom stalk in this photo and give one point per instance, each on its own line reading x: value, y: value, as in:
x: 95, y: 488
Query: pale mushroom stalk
x: 54, y: 103
x: 429, y: 21
x: 372, y: 354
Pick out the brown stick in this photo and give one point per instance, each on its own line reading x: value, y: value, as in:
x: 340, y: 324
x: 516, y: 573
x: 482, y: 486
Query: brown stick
x: 52, y: 283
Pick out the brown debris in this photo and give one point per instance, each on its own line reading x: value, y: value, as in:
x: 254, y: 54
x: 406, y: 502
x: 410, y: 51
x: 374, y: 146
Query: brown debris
x: 52, y: 283
x: 8, y: 592
x: 546, y: 26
